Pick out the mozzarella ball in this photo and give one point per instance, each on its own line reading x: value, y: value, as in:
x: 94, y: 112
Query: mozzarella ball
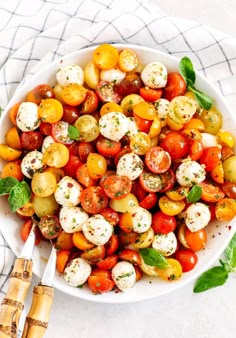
x: 130, y: 165
x: 132, y: 127
x: 163, y: 107
x: 154, y: 75
x: 97, y: 230
x: 114, y: 75
x: 113, y: 126
x: 47, y: 142
x: 124, y: 275
x: 32, y: 163
x: 68, y: 192
x: 208, y: 140
x: 142, y: 220
x: 72, y: 218
x: 190, y: 173
x: 70, y: 74
x: 77, y: 272
x: 27, y: 117
x: 165, y: 244
x: 197, y: 216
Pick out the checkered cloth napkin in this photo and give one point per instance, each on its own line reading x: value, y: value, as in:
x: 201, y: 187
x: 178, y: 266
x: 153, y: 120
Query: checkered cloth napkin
x: 34, y: 33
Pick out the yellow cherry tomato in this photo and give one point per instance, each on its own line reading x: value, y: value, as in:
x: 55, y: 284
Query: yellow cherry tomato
x: 88, y: 128
x: 178, y: 194
x: 9, y: 154
x: 170, y: 207
x: 144, y: 240
x: 225, y: 210
x: 154, y: 141
x: 50, y: 110
x: 145, y: 110
x: 140, y: 143
x: 127, y: 204
x: 97, y: 165
x: 173, y: 125
x: 155, y: 127
x: 128, y: 60
x: 105, y: 56
x: 56, y: 155
x: 91, y: 75
x: 129, y: 101
x: 172, y: 272
x: 195, y: 123
x: 27, y: 210
x: 226, y: 138
x: 110, y: 107
x: 44, y: 184
x: 74, y: 94
x: 192, y: 134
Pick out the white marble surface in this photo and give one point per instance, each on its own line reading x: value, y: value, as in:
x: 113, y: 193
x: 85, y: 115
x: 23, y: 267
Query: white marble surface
x: 181, y: 314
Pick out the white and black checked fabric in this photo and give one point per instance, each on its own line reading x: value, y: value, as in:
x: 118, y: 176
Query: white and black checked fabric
x: 34, y: 33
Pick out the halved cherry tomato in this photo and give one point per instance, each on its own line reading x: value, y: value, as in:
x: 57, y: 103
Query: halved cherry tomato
x: 104, y: 177
x: 138, y: 273
x: 138, y: 191
x: 226, y: 152
x: 81, y: 242
x: 172, y: 272
x: 150, y: 95
x: 175, y: 86
x: 57, y: 172
x: 108, y: 263
x: 97, y: 165
x: 195, y: 123
x: 12, y: 169
x: 167, y: 180
x: 94, y: 200
x: 108, y: 148
x: 26, y: 211
x: 217, y: 174
x: 105, y: 92
x: 71, y: 166
x: 83, y: 177
x: 117, y: 187
x: 39, y: 93
x: 110, y: 107
x: 31, y: 140
x: 187, y: 258
x: 112, y: 245
x: 210, y: 158
x: 143, y: 125
x: 70, y: 114
x: 196, y: 240
x: 105, y: 56
x: 149, y: 201
x: 74, y: 94
x: 128, y: 60
x: 145, y: 110
x: 229, y: 188
x: 131, y: 256
x: 100, y: 284
x: 45, y: 128
x: 176, y: 145
x: 195, y: 150
x: 50, y: 110
x: 225, y: 209
x: 13, y: 138
x: 13, y: 112
x: 110, y: 215
x: 60, y: 132
x: 84, y: 149
x: 210, y: 192
x: 131, y: 84
x: 177, y: 193
x: 65, y: 241
x: 90, y: 103
x: 121, y: 153
x: 157, y: 160
x: 9, y: 154
x: 126, y: 222
x: 127, y: 238
x: 50, y: 226
x: 150, y: 182
x: 94, y: 255
x: 62, y: 259
x: 25, y: 230
x: 56, y: 155
x: 162, y: 223
x: 169, y: 207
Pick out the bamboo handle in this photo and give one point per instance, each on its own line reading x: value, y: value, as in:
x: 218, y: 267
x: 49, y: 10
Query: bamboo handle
x: 13, y: 303
x: 37, y: 320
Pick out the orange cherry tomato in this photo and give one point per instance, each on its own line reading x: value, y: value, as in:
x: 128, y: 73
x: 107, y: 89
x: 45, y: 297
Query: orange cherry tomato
x: 50, y: 111
x: 117, y: 187
x: 27, y: 210
x: 83, y: 176
x: 81, y: 242
x: 131, y: 256
x: 25, y: 230
x: 217, y: 174
x: 210, y: 192
x: 62, y: 259
x: 126, y: 239
x: 195, y: 150
x: 196, y: 240
x: 74, y: 94
x: 195, y: 123
x: 9, y: 154
x: 210, y: 158
x: 110, y: 215
x: 65, y: 241
x: 12, y: 169
x: 126, y: 222
x: 94, y: 255
x: 169, y: 207
x: 100, y: 284
x: 105, y: 56
x: 108, y: 263
x: 13, y: 112
x: 225, y: 209
x: 97, y: 165
x: 226, y: 152
x: 150, y: 95
x: 13, y: 138
x: 145, y: 110
x: 128, y: 60
x: 110, y: 107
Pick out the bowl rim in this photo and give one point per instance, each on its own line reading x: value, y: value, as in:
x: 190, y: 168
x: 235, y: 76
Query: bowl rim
x: 20, y: 91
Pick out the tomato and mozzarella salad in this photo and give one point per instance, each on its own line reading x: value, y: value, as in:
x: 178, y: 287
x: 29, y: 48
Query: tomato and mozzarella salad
x: 121, y: 160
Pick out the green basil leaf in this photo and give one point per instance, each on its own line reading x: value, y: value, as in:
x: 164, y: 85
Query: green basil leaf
x: 19, y: 195
x: 203, y: 100
x: 187, y: 71
x: 195, y: 194
x: 230, y: 252
x: 1, y: 110
x: 73, y: 133
x: 212, y: 278
x: 6, y: 184
x: 154, y: 258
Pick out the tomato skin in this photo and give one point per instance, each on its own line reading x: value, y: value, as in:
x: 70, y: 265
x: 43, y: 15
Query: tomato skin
x: 12, y: 169
x: 130, y: 256
x: 25, y: 230
x: 73, y: 94
x: 149, y: 201
x: 45, y: 128
x: 94, y: 255
x: 70, y: 114
x: 110, y: 215
x: 195, y: 150
x: 157, y: 160
x: 31, y: 140
x: 150, y: 182
x: 105, y: 92
x: 138, y: 191
x: 94, y: 200
x: 168, y: 180
x: 84, y: 149
x: 112, y: 245
x: 108, y: 263
x: 60, y: 133
x: 122, y: 152
x: 108, y: 148
x: 187, y: 258
x: 83, y: 177
x: 175, y: 86
x: 210, y: 158
x: 131, y: 84
x: 50, y: 226
x: 138, y: 272
x: 117, y: 187
x: 71, y: 166
x: 13, y: 138
x: 226, y: 152
x: 229, y: 188
x: 90, y: 103
x: 211, y: 193
x: 142, y: 124
x: 196, y: 240
x: 62, y: 259
x: 39, y: 93
x: 127, y: 238
x: 162, y: 223
x: 100, y: 284
x: 105, y: 176
x: 176, y: 145
x: 150, y: 95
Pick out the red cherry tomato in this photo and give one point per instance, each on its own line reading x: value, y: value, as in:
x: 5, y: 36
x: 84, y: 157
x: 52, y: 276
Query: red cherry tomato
x: 108, y: 263
x: 74, y: 149
x: 149, y: 201
x: 175, y: 86
x: 108, y: 148
x: 50, y: 226
x: 105, y: 92
x: 31, y: 140
x: 90, y: 103
x: 70, y: 114
x: 45, y: 128
x: 142, y: 124
x: 150, y: 182
x: 25, y: 230
x: 157, y: 160
x: 176, y: 145
x: 138, y: 191
x: 127, y: 238
x: 195, y: 150
x: 107, y: 174
x: 117, y: 187
x: 72, y: 165
x: 187, y: 258
x: 100, y: 284
x: 229, y: 188
x: 39, y: 93
x: 210, y: 157
x: 150, y: 95
x: 84, y: 149
x: 130, y: 256
x: 131, y: 84
x: 94, y: 200
x: 112, y: 245
x: 162, y: 223
x: 167, y: 180
x: 110, y: 215
x: 83, y: 177
x: 121, y: 153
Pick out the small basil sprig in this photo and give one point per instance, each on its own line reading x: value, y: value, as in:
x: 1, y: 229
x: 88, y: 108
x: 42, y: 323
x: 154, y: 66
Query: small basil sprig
x: 154, y: 258
x: 194, y: 194
x: 218, y: 275
x: 187, y: 71
x: 73, y: 133
x: 19, y: 192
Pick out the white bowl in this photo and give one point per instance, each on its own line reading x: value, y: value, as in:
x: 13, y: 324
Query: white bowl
x: 218, y: 233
